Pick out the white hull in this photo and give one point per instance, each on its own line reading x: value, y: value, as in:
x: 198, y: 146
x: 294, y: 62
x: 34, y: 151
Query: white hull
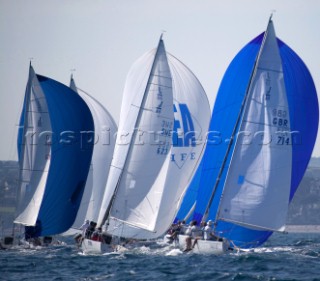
x: 205, y: 246
x: 95, y: 247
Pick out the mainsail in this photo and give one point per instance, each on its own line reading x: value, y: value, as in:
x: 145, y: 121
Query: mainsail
x: 155, y: 177
x: 36, y: 152
x: 54, y: 155
x: 256, y: 180
x: 142, y: 158
x: 257, y: 187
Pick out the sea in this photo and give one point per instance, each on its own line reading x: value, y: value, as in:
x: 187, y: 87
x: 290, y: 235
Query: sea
x: 292, y: 256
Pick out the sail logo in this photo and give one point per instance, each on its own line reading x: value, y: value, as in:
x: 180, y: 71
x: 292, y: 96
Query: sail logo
x: 183, y: 135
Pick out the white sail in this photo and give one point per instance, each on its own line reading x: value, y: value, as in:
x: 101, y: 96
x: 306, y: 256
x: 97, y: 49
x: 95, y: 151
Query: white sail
x: 35, y: 154
x: 105, y: 130
x: 257, y: 187
x: 139, y: 188
x: 192, y: 116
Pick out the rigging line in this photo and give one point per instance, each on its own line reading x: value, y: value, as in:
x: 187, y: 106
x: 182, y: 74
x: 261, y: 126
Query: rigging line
x: 142, y: 108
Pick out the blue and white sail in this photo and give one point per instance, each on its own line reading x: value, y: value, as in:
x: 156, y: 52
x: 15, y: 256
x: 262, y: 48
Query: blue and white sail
x: 265, y: 122
x: 55, y: 150
x: 105, y: 130
x: 163, y: 114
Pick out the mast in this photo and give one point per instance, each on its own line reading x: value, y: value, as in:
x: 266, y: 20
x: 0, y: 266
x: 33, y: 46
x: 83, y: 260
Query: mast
x: 143, y: 102
x: 237, y: 124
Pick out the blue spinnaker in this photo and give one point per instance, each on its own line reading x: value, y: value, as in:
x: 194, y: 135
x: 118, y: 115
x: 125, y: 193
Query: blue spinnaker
x: 304, y: 115
x: 71, y: 152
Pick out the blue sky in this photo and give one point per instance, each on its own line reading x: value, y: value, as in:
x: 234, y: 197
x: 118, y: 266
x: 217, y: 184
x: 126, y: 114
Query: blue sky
x: 101, y: 40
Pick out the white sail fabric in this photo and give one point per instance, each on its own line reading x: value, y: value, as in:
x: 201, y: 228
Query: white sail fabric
x: 192, y: 116
x: 140, y: 187
x: 36, y: 153
x: 257, y: 187
x: 105, y: 130
x: 134, y: 89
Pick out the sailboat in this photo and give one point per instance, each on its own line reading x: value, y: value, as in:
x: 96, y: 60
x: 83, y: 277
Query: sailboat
x: 266, y: 113
x: 54, y: 149
x: 164, y: 114
x: 105, y: 130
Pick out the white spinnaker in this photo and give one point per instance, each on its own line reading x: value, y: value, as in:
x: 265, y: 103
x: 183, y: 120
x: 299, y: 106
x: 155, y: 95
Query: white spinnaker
x: 189, y: 97
x: 257, y: 188
x: 105, y: 130
x: 35, y: 154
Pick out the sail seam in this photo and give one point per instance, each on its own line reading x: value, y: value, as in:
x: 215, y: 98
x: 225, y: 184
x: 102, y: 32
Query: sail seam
x: 164, y: 86
x: 271, y: 70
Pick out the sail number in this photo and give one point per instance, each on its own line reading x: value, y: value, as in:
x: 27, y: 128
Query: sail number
x: 166, y: 132
x: 280, y: 122
x: 280, y: 118
x: 283, y: 140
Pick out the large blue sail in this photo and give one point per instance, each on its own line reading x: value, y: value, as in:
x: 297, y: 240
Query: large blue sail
x: 225, y: 113
x: 303, y: 107
x: 71, y: 152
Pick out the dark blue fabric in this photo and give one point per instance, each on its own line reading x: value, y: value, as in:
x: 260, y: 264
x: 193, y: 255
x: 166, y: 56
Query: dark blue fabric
x: 303, y: 104
x: 70, y: 157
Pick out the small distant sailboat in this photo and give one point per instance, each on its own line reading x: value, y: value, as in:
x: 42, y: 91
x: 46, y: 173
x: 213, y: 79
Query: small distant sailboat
x: 105, y: 130
x: 267, y: 109
x: 164, y: 114
x: 54, y: 149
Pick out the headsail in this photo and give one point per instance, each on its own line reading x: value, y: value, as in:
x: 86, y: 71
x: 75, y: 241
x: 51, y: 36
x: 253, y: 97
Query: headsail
x: 55, y: 155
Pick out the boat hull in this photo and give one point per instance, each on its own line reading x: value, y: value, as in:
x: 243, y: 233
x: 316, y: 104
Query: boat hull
x: 205, y: 246
x: 89, y: 246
